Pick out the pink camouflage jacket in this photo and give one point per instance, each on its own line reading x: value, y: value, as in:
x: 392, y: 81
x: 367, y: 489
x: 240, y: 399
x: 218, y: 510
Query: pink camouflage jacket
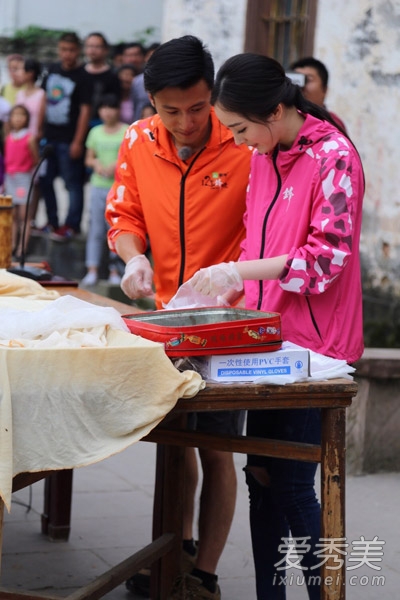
x: 307, y: 202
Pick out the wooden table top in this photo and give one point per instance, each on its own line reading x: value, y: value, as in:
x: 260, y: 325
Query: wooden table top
x: 333, y: 393
x: 94, y: 298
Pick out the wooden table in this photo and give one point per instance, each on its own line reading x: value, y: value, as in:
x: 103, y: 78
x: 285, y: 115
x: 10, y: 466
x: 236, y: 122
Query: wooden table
x: 332, y: 397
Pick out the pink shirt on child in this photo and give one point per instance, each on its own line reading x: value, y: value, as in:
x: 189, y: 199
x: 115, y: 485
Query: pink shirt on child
x: 17, y: 153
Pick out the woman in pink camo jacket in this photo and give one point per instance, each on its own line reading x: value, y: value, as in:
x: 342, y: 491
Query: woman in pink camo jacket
x: 300, y: 258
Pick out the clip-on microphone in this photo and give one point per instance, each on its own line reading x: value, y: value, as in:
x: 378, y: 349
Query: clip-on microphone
x: 30, y: 271
x: 185, y: 152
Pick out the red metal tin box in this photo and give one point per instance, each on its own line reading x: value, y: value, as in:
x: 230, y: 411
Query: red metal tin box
x: 200, y: 331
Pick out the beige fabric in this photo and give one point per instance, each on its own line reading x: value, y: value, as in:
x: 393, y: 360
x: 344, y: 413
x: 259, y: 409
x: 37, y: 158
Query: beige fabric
x: 66, y: 322
x: 67, y: 407
x: 13, y: 285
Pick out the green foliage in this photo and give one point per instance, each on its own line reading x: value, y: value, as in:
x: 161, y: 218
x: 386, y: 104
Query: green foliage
x: 33, y: 35
x: 145, y: 35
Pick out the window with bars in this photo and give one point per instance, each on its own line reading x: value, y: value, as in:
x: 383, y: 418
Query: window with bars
x: 283, y: 29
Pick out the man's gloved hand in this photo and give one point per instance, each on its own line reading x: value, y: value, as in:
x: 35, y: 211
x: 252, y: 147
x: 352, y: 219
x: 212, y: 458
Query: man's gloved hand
x: 217, y: 280
x: 138, y: 277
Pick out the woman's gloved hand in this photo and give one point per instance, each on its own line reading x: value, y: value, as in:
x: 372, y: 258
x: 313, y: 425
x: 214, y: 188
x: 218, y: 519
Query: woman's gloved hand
x: 138, y: 277
x: 217, y: 280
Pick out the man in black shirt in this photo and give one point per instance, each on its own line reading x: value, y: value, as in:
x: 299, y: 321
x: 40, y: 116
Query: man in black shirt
x: 104, y: 78
x: 69, y: 94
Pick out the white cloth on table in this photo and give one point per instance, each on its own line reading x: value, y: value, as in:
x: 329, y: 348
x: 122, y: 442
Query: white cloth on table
x: 65, y: 407
x: 64, y: 322
x: 321, y: 368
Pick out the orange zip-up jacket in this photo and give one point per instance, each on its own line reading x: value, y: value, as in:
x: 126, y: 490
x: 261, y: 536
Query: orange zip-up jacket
x: 192, y: 212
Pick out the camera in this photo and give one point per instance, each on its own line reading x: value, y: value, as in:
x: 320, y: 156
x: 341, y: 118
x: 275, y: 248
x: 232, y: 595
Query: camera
x: 297, y: 78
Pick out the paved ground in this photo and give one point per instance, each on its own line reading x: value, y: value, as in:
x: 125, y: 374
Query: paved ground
x: 111, y: 518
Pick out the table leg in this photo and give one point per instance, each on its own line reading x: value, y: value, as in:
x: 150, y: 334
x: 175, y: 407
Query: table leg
x: 333, y: 477
x: 56, y: 517
x: 167, y: 516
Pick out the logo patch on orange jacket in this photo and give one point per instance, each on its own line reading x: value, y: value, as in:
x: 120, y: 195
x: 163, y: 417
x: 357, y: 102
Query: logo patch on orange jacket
x: 215, y: 181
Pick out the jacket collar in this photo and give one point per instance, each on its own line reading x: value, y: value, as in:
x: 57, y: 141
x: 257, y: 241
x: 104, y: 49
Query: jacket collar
x: 165, y: 146
x: 311, y: 132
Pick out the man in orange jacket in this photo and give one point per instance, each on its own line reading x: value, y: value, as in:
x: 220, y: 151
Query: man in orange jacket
x: 181, y: 183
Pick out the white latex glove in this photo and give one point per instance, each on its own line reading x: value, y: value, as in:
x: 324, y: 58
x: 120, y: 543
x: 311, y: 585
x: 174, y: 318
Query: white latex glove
x: 217, y: 280
x: 187, y: 297
x: 138, y: 277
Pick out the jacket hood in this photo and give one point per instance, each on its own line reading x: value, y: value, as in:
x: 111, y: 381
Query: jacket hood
x: 312, y: 132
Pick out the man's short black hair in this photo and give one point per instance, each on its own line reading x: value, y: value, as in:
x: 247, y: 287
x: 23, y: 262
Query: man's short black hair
x: 310, y: 61
x: 153, y: 46
x: 108, y: 100
x: 71, y: 38
x: 135, y: 45
x: 99, y: 35
x: 180, y: 62
x: 128, y: 67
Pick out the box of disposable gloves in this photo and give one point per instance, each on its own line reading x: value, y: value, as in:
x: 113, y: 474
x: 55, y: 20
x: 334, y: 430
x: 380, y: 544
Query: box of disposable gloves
x: 281, y: 366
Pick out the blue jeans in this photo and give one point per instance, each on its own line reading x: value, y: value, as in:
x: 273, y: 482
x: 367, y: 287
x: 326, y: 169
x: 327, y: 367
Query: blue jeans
x: 285, y: 503
x: 73, y: 174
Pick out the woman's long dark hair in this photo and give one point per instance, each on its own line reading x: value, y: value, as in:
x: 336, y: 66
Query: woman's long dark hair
x: 253, y: 85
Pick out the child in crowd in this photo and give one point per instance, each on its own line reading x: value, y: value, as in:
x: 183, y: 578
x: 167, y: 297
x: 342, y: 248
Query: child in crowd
x: 126, y: 75
x: 32, y: 96
x: 4, y: 116
x: 15, y: 64
x: 102, y: 146
x: 148, y: 110
x: 21, y: 154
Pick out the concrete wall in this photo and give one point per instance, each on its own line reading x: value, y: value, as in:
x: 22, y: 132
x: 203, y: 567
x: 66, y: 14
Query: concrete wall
x: 360, y: 43
x: 373, y: 419
x: 219, y: 23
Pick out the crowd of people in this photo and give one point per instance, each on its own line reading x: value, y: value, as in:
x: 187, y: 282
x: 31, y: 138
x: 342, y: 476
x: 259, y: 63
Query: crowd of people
x: 61, y: 104
x: 246, y: 189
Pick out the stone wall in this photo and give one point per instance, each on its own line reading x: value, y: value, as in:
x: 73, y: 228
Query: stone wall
x: 359, y: 42
x: 373, y: 420
x: 219, y: 23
